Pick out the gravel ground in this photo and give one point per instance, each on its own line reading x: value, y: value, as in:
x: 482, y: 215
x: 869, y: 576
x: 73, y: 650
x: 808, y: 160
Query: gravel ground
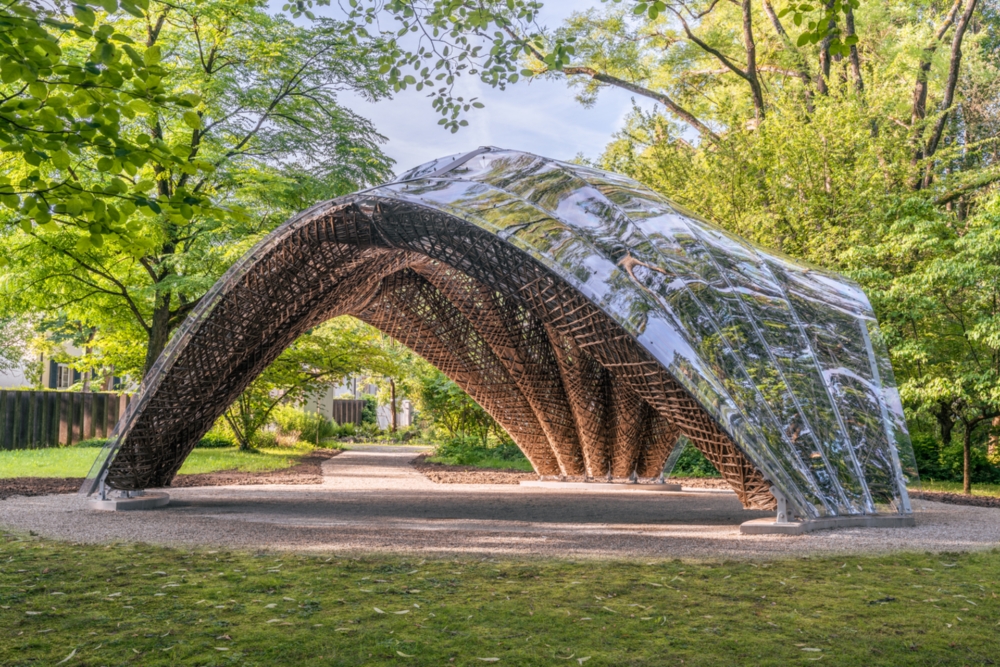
x: 373, y: 500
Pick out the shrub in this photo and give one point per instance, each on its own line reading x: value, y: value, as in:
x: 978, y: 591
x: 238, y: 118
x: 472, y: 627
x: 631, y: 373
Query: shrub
x: 369, y: 413
x: 344, y: 430
x: 265, y: 439
x: 470, y: 451
x: 92, y: 442
x: 692, y: 463
x: 301, y: 425
x: 215, y: 440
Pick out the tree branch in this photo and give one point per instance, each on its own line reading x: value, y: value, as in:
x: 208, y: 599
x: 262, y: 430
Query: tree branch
x: 674, y: 108
x: 952, y: 83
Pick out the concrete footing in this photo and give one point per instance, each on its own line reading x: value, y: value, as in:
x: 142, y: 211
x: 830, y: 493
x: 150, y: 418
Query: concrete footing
x: 147, y: 501
x: 772, y: 527
x: 602, y: 486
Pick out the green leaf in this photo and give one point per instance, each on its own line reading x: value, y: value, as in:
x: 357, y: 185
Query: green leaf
x: 152, y: 55
x: 192, y: 120
x: 84, y: 15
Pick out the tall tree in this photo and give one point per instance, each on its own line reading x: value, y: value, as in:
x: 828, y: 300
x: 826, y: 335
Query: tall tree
x: 256, y: 132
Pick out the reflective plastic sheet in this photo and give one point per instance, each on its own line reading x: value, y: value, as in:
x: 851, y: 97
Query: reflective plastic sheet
x: 786, y: 358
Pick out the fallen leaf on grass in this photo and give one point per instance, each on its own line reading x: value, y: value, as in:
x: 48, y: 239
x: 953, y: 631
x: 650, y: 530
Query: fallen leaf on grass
x: 583, y: 660
x: 814, y: 650
x: 403, y: 655
x: 221, y: 648
x: 405, y: 611
x: 275, y: 620
x: 378, y: 611
x: 68, y: 657
x: 33, y: 613
x: 270, y: 606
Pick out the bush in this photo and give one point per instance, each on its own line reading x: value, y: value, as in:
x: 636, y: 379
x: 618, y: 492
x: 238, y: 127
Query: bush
x: 945, y: 464
x: 265, y: 439
x: 369, y: 412
x: 216, y: 440
x: 470, y: 451
x: 692, y: 463
x: 302, y: 425
x: 92, y: 442
x: 344, y: 430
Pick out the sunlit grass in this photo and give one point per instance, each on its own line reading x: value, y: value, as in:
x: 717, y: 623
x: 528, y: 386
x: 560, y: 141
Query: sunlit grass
x: 143, y: 605
x: 956, y: 487
x: 76, y: 461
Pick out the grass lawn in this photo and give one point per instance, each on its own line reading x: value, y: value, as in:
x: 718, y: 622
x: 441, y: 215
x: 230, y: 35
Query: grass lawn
x: 956, y: 487
x: 76, y: 461
x: 517, y: 464
x: 142, y: 605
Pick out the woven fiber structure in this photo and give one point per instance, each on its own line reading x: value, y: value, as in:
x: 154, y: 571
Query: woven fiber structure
x: 596, y: 321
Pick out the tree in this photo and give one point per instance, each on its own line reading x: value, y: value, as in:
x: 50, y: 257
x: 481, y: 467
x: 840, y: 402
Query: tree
x: 326, y: 355
x: 14, y: 335
x: 936, y: 285
x: 70, y: 85
x: 875, y: 155
x: 242, y: 128
x: 453, y: 410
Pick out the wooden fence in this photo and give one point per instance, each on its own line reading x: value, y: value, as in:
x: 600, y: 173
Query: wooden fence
x: 37, y: 419
x: 346, y: 411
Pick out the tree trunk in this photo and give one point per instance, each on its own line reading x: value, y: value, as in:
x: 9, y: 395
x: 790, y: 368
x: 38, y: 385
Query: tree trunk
x: 392, y: 391
x: 859, y: 83
x: 954, y: 66
x: 824, y: 59
x: 751, y: 50
x: 993, y: 444
x: 946, y: 422
x: 159, y: 331
x: 967, y: 461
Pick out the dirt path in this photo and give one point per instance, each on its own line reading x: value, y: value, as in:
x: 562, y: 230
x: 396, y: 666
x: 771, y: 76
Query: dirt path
x: 372, y: 499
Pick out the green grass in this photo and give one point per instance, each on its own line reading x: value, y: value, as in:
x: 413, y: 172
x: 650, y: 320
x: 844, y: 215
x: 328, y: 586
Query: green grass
x: 76, y: 461
x: 493, y: 463
x: 956, y: 487
x: 142, y: 605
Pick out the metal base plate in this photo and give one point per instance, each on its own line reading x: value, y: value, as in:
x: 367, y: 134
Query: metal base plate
x: 771, y: 527
x: 144, y: 502
x: 601, y: 486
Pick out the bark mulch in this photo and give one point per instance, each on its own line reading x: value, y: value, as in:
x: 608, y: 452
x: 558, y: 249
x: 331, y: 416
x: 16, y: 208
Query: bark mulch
x: 307, y: 471
x: 957, y: 498
x: 442, y: 473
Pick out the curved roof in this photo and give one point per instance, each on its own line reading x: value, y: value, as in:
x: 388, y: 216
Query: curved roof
x: 786, y: 357
x: 786, y: 360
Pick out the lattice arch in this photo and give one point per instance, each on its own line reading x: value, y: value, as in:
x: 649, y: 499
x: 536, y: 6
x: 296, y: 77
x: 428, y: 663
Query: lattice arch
x: 565, y: 304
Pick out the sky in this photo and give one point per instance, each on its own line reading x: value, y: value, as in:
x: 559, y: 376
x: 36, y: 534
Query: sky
x: 539, y: 116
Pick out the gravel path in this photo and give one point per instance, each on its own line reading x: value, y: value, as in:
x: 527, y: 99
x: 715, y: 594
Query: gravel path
x: 372, y: 499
